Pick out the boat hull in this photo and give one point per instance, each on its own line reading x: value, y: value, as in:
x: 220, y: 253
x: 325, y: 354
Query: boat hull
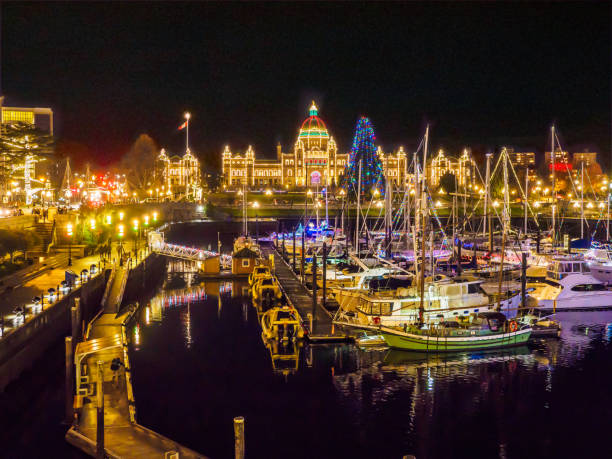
x: 423, y: 343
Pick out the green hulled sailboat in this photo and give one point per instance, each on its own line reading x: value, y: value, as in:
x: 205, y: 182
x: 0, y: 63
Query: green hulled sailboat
x: 488, y: 330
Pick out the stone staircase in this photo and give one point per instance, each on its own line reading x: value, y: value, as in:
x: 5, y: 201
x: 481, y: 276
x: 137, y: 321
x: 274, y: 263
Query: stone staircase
x: 45, y: 232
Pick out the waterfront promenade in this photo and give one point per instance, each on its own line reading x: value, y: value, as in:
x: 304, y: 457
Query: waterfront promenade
x: 105, y: 342
x: 123, y: 437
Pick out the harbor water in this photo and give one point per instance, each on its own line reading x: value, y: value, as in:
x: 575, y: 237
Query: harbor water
x: 199, y: 360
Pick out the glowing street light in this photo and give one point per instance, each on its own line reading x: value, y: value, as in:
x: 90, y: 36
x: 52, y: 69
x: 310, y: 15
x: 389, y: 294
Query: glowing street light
x: 121, y: 214
x: 268, y: 192
x: 92, y: 223
x: 69, y: 233
x: 255, y: 205
x: 154, y: 216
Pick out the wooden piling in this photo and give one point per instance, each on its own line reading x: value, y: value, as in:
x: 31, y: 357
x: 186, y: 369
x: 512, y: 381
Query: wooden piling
x: 314, y: 285
x: 69, y: 411
x: 324, y: 275
x: 100, y: 412
x: 459, y: 245
x: 303, y: 250
x: 523, y: 280
x: 294, y: 249
x: 239, y: 437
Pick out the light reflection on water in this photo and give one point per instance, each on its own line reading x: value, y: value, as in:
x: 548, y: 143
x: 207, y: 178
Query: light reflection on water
x: 521, y: 402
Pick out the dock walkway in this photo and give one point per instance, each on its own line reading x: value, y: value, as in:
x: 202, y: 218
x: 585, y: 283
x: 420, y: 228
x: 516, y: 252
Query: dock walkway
x: 301, y: 298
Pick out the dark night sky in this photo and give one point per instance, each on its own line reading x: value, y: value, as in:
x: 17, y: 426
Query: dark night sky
x: 482, y: 74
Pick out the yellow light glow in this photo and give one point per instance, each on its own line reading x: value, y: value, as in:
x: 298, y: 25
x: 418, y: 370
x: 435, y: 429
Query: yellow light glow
x: 69, y: 229
x: 255, y: 205
x: 92, y: 223
x: 268, y: 192
x: 121, y: 214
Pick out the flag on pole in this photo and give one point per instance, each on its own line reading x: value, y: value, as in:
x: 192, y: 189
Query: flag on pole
x: 184, y: 125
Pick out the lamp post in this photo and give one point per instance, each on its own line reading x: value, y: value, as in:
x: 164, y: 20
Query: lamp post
x: 256, y: 206
x: 69, y: 233
x: 137, y: 237
x: 120, y: 232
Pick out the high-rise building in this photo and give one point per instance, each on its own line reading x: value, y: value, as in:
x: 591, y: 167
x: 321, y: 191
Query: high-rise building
x: 562, y: 161
x: 522, y: 158
x: 587, y: 158
x: 42, y: 118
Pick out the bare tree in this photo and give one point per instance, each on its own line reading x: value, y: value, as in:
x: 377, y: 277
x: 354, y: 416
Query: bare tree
x: 139, y: 163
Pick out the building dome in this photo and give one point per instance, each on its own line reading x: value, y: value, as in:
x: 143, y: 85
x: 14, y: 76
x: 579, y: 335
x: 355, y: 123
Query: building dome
x: 313, y: 130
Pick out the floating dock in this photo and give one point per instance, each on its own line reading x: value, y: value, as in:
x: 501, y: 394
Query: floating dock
x: 299, y: 297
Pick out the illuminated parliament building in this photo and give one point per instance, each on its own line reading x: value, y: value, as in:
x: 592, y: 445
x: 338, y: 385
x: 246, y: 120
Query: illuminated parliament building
x: 315, y: 160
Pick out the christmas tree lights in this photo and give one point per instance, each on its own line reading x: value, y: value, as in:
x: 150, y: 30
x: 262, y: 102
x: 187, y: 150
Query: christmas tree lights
x: 364, y: 150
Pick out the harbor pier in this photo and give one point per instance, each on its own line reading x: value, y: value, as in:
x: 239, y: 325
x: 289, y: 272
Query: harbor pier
x: 302, y: 299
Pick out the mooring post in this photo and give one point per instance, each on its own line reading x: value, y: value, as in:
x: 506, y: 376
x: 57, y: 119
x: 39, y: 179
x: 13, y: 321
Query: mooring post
x: 284, y: 252
x: 294, y: 249
x: 75, y: 319
x: 100, y: 412
x: 303, y: 250
x: 69, y: 379
x: 523, y: 280
x: 309, y: 315
x: 324, y: 274
x: 314, y: 285
x: 239, y: 437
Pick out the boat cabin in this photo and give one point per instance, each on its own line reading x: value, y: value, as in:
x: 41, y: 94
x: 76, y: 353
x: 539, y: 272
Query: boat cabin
x: 560, y: 268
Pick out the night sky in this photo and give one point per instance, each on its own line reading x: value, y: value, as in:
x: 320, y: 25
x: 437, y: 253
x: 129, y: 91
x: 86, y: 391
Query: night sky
x: 483, y: 75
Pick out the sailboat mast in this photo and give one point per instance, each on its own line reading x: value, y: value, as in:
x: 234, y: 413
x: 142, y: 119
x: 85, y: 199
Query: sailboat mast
x: 422, y: 219
x: 581, y: 200
x: 525, y: 199
x: 487, y: 226
x: 554, y: 177
x: 505, y: 225
x: 358, y: 211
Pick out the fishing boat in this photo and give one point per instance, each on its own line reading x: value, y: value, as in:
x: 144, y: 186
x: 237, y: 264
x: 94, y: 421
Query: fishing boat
x: 488, y: 330
x: 282, y: 323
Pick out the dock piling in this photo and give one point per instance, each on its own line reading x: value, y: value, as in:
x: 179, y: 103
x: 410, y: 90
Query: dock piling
x: 314, y: 284
x: 302, y: 266
x: 324, y: 274
x: 239, y: 437
x: 100, y: 413
x: 69, y: 379
x: 294, y: 249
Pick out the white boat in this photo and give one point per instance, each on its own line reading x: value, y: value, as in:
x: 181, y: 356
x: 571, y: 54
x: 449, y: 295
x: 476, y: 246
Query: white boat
x: 573, y: 291
x: 443, y: 300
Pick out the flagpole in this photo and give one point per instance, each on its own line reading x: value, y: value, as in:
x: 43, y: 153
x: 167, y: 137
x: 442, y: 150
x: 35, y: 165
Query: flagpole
x: 187, y: 116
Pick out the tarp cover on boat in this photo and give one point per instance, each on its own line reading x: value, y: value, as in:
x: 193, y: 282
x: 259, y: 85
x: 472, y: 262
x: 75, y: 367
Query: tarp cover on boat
x: 390, y: 283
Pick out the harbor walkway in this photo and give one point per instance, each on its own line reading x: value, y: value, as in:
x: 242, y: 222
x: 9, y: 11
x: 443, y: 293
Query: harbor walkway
x: 123, y: 436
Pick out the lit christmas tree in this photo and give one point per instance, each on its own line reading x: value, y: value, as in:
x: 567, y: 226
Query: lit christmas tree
x: 364, y: 150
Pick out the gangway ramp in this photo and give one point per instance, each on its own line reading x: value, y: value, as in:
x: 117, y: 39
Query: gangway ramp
x: 115, y: 288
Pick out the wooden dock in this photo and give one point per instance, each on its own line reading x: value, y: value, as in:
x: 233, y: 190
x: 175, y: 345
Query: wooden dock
x: 300, y: 298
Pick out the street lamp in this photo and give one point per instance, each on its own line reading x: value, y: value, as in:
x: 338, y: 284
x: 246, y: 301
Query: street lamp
x: 69, y: 233
x: 121, y: 214
x: 154, y: 217
x: 136, y: 230
x: 120, y: 230
x: 256, y: 206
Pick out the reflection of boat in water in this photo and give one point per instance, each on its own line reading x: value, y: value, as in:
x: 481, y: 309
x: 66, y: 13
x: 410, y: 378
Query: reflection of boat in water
x: 371, y: 340
x: 266, y: 292
x: 285, y: 356
x: 282, y: 323
x: 407, y: 359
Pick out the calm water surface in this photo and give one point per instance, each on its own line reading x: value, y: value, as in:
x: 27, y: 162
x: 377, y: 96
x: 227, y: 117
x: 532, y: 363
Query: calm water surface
x: 199, y: 360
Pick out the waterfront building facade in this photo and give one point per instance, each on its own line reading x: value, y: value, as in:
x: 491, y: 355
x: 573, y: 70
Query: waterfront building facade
x: 463, y: 168
x: 179, y: 174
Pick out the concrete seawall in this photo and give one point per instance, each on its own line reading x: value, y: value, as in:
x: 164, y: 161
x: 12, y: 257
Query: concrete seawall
x: 22, y: 346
